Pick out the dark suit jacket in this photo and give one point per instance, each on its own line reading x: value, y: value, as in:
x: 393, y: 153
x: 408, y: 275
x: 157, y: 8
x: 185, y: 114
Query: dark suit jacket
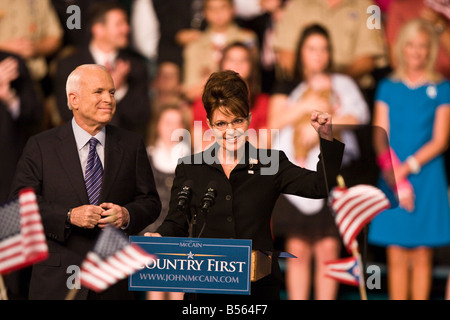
x: 244, y: 202
x: 50, y: 164
x: 133, y: 111
x: 168, y: 47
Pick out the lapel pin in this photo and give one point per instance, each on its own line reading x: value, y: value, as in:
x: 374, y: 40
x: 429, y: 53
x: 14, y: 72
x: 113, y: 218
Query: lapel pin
x: 251, y: 172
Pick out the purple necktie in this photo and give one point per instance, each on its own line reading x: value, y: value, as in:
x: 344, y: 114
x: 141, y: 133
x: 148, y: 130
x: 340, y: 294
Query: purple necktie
x: 94, y: 173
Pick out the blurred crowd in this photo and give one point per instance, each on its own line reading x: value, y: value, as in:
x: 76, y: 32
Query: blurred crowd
x: 296, y: 56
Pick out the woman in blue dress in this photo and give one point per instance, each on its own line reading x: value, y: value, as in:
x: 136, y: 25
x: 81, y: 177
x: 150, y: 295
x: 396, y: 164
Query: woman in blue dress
x: 413, y: 106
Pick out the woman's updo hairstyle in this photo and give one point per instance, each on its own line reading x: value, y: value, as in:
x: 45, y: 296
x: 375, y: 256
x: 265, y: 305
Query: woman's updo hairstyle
x: 227, y: 91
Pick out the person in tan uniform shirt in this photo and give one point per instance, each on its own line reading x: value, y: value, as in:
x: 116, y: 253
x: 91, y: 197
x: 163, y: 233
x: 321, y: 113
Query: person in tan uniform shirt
x: 202, y: 56
x: 31, y: 30
x: 357, y: 49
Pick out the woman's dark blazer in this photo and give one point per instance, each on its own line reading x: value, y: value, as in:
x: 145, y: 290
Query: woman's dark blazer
x: 244, y: 202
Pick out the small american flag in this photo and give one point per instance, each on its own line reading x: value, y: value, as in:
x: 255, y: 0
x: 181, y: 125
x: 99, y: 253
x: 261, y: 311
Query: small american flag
x: 354, y: 208
x: 113, y: 258
x: 344, y: 270
x: 22, y: 239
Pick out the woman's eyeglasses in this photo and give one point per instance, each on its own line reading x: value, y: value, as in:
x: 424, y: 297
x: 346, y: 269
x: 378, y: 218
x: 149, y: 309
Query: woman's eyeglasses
x: 236, y: 123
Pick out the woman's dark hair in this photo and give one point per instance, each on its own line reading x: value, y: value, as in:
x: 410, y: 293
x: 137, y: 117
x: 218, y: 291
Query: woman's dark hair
x: 227, y: 90
x: 314, y: 29
x: 98, y: 11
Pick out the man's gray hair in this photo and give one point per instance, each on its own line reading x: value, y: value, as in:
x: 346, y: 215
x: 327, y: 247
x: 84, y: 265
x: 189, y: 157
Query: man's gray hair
x: 74, y: 79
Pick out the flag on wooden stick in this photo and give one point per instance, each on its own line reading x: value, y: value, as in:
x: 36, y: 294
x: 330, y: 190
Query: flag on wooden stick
x: 354, y: 208
x: 344, y: 270
x: 113, y: 258
x: 22, y: 238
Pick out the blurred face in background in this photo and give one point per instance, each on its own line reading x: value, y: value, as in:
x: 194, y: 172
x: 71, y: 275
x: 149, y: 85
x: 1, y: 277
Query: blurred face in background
x: 170, y: 120
x: 238, y: 60
x: 416, y: 51
x: 114, y: 30
x: 168, y: 78
x: 315, y: 54
x: 219, y: 14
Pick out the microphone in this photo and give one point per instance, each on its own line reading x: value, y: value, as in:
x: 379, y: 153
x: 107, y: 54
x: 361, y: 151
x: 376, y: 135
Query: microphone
x: 209, y: 198
x: 185, y: 195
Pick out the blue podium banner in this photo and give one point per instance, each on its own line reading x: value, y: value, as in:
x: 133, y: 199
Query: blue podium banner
x: 220, y: 266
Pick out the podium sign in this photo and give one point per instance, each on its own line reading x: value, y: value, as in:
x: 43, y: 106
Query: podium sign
x: 200, y: 265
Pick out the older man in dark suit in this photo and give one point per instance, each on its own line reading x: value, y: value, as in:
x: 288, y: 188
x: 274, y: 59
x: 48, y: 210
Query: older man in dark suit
x: 108, y: 46
x: 86, y: 174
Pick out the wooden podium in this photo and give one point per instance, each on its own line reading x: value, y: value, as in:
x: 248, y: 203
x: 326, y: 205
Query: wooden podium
x: 261, y: 265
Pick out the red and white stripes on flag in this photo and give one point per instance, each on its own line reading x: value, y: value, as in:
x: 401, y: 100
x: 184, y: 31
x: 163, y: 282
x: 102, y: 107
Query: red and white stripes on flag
x: 354, y: 208
x: 344, y: 270
x: 22, y: 238
x: 113, y: 258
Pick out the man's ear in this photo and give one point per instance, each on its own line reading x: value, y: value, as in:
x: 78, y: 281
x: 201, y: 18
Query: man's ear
x: 74, y: 100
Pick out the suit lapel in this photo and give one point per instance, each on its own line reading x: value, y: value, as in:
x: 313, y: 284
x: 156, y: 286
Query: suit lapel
x: 113, y: 161
x: 211, y: 154
x: 70, y: 160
